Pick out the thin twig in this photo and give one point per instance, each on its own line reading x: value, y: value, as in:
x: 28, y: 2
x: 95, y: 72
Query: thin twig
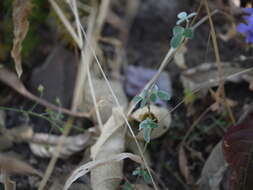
x: 218, y: 62
x: 54, y: 159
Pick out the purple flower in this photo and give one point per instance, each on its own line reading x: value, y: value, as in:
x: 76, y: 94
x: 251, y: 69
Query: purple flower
x: 247, y: 29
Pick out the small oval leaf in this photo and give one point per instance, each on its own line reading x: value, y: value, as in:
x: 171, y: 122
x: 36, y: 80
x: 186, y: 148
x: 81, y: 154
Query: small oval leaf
x: 163, y: 95
x: 176, y: 41
x: 182, y: 15
x: 188, y: 33
x: 146, y: 134
x: 178, y: 30
x: 153, y: 97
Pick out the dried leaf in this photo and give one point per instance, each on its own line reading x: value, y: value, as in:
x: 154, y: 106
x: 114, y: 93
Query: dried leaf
x: 213, y: 170
x: 206, y: 75
x: 12, y: 165
x: 21, y: 10
x: 110, y: 142
x: 84, y: 169
x: 104, y: 98
x: 44, y: 145
x: 183, y: 165
x: 179, y: 58
x: 237, y: 149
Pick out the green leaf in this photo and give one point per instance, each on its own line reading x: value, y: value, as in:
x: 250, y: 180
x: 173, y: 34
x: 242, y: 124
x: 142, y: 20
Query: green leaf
x: 128, y: 186
x: 144, y: 94
x: 178, y: 30
x: 146, y: 134
x: 188, y: 33
x: 182, y: 15
x: 148, y: 123
x: 191, y: 15
x: 155, y: 89
x: 143, y: 103
x: 176, y: 40
x: 153, y: 97
x: 137, y: 171
x: 137, y: 99
x: 146, y: 176
x: 163, y: 95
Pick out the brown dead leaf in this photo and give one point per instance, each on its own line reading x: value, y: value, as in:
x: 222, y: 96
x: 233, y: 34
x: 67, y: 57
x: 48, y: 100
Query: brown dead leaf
x: 183, y: 165
x: 110, y: 142
x: 84, y: 169
x: 44, y: 145
x: 21, y: 10
x: 10, y: 79
x: 206, y: 75
x: 179, y: 58
x: 13, y: 165
x: 213, y: 171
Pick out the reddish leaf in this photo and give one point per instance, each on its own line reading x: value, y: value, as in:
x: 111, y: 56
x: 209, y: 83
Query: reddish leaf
x: 238, y: 149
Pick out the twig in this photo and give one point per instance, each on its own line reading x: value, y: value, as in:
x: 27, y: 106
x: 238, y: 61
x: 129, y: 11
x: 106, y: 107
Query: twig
x: 218, y: 62
x: 166, y: 60
x: 10, y: 79
x: 54, y: 159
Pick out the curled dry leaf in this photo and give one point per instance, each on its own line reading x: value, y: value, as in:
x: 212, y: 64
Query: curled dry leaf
x: 213, y: 171
x: 21, y: 11
x: 206, y: 75
x: 84, y: 169
x: 183, y: 165
x: 10, y: 79
x: 110, y: 142
x: 179, y: 58
x: 44, y: 145
x: 13, y: 165
x: 104, y: 98
x: 164, y: 121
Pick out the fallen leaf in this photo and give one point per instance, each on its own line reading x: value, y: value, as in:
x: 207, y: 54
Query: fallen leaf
x: 13, y: 165
x: 183, y: 165
x: 179, y: 58
x: 213, y: 171
x: 44, y: 145
x: 237, y: 148
x: 110, y: 142
x: 84, y: 169
x: 206, y: 75
x: 21, y: 11
x: 104, y: 98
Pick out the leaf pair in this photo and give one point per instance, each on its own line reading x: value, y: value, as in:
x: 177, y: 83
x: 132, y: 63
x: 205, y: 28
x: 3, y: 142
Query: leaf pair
x: 183, y: 16
x: 147, y: 125
x: 142, y: 173
x: 155, y: 93
x: 179, y: 33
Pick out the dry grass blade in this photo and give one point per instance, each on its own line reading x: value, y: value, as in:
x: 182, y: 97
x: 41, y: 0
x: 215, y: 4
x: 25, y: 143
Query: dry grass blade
x: 218, y: 61
x: 13, y: 81
x: 56, y: 155
x: 84, y: 169
x: 21, y: 10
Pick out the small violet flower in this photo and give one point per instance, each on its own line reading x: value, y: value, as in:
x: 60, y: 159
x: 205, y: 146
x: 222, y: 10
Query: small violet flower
x: 247, y: 29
